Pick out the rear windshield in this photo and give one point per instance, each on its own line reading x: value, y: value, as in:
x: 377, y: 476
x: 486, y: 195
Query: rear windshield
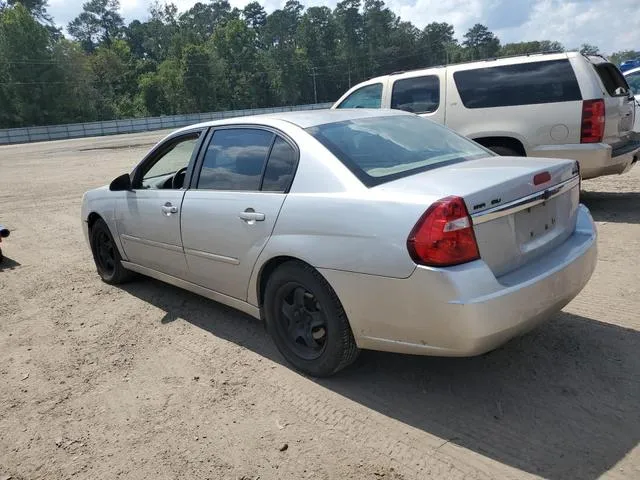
x: 612, y: 79
x: 381, y: 149
x: 550, y: 81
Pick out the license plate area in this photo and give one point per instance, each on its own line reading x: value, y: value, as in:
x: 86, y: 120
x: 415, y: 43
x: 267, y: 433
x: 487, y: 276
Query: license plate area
x: 535, y: 223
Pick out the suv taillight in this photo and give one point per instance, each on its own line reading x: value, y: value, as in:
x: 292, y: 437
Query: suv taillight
x: 592, y: 128
x: 444, y: 235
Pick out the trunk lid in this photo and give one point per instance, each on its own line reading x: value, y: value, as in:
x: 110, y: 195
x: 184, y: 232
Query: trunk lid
x: 514, y: 220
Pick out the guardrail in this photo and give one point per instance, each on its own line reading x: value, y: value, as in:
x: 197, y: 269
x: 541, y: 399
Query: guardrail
x: 132, y: 125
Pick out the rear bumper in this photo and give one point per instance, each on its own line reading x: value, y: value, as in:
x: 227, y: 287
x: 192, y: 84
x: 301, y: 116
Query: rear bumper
x: 465, y: 310
x: 596, y: 159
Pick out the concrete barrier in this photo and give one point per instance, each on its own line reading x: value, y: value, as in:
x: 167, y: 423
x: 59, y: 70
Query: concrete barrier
x: 132, y: 125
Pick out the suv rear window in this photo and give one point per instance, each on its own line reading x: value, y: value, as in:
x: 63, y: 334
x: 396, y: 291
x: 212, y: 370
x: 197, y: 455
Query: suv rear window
x: 384, y: 148
x: 612, y: 78
x: 534, y: 83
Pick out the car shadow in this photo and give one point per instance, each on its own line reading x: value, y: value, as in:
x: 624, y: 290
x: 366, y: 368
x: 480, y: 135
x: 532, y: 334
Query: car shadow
x: 8, y: 264
x: 622, y: 207
x: 560, y: 402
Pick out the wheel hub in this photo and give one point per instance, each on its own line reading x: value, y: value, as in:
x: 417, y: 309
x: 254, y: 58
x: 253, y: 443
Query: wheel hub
x: 303, y: 321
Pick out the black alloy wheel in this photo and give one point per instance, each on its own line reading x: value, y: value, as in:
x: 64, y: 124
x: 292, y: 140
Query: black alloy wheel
x: 302, y: 320
x: 106, y: 255
x: 306, y: 320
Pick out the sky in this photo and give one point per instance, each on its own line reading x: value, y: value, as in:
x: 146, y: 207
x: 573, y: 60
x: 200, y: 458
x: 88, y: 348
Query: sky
x: 612, y: 25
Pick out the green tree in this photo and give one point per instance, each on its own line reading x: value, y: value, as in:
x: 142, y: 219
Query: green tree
x: 37, y: 8
x: 524, y: 48
x: 99, y: 23
x: 588, y: 49
x: 26, y: 70
x: 378, y: 22
x: 114, y: 73
x: 436, y: 43
x: 203, y: 79
x: 201, y: 20
x: 350, y: 30
x: 234, y: 44
x: 317, y: 32
x: 480, y: 43
x: 255, y: 15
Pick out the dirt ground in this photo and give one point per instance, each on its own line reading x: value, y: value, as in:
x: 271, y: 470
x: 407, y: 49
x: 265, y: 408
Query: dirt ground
x: 149, y: 381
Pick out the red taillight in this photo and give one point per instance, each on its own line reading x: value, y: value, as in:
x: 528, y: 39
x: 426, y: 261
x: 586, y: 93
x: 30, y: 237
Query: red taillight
x: 592, y: 128
x: 444, y: 235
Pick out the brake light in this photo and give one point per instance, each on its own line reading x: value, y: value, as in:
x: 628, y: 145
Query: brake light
x: 444, y: 235
x: 592, y: 128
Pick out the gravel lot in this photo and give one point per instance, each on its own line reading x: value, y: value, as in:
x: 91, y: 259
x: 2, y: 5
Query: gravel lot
x: 149, y: 381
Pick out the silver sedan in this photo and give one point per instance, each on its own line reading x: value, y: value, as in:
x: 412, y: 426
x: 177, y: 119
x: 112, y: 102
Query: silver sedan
x: 350, y: 229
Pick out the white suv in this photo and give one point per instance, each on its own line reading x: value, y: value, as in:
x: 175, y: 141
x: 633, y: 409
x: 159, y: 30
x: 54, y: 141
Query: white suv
x: 560, y: 105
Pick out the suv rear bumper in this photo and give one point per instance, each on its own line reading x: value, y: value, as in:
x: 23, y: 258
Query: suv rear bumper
x: 596, y: 159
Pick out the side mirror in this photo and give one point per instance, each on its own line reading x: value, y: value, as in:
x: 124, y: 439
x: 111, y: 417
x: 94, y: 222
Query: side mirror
x: 122, y: 183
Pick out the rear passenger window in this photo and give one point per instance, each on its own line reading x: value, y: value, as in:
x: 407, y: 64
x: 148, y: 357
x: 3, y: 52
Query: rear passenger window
x: 612, y: 79
x: 369, y: 96
x: 633, y: 79
x: 235, y: 159
x: 523, y: 84
x: 416, y: 95
x: 280, y: 167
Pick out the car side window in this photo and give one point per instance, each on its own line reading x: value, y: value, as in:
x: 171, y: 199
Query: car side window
x: 529, y: 83
x: 633, y: 79
x: 235, y: 159
x: 280, y: 167
x: 173, y: 158
x: 416, y: 95
x: 369, y: 96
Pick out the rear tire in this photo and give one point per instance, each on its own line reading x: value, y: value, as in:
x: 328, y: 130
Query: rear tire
x: 504, y: 151
x: 306, y: 320
x: 106, y: 255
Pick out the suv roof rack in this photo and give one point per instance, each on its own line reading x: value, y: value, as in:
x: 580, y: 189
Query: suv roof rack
x: 490, y: 59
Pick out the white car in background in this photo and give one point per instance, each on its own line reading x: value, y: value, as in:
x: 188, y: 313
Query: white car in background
x: 559, y: 105
x: 633, y: 79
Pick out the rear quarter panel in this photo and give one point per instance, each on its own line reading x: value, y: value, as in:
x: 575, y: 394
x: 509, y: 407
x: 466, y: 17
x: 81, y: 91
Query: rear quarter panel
x: 534, y: 125
x: 332, y: 221
x: 619, y: 111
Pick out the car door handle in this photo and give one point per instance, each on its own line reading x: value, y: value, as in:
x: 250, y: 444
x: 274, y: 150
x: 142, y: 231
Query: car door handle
x: 249, y: 215
x: 168, y: 209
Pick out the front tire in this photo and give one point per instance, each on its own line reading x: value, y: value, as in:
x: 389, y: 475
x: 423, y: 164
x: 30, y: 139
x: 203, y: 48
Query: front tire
x: 304, y: 317
x: 106, y: 255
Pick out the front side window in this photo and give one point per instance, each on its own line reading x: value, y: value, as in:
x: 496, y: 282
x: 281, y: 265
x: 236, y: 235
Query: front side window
x: 522, y: 84
x: 172, y: 161
x: 416, y: 95
x: 384, y: 148
x: 369, y: 96
x: 235, y: 159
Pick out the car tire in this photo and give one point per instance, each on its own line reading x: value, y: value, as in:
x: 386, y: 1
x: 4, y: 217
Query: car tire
x: 306, y: 320
x: 504, y: 151
x: 106, y: 255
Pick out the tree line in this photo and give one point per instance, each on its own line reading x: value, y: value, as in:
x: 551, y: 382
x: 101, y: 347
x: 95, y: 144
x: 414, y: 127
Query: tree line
x: 212, y: 57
